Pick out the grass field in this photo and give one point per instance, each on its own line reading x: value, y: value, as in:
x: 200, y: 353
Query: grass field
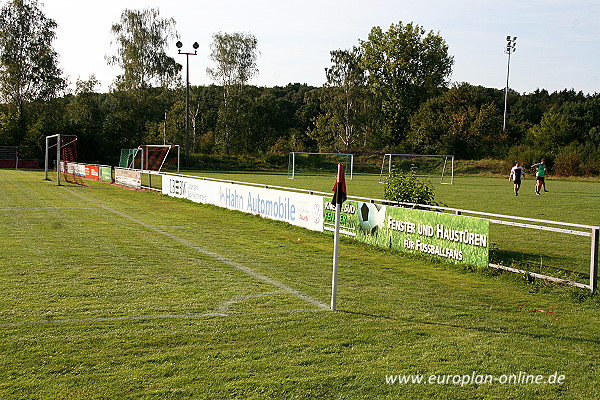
x: 110, y: 293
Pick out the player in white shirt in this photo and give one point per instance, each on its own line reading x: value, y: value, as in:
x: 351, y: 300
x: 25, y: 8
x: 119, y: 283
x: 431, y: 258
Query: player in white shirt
x: 516, y: 174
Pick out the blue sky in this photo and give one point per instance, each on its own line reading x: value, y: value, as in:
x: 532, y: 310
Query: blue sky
x: 557, y: 46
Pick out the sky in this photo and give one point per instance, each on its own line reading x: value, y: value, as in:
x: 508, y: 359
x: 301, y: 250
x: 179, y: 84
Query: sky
x: 558, y: 41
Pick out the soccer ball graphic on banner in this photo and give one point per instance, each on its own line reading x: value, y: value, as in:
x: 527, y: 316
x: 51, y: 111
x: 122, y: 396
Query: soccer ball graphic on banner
x: 371, y: 217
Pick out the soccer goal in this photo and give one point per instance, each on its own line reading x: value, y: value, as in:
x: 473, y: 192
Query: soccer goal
x: 304, y: 163
x: 127, y: 158
x: 151, y: 157
x: 431, y: 166
x: 65, y: 163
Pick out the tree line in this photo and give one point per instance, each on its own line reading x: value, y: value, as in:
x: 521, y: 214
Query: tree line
x: 389, y: 93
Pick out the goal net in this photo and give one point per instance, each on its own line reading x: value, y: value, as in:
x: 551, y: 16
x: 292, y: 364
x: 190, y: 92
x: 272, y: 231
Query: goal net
x: 127, y: 158
x: 307, y: 164
x: 61, y: 159
x: 151, y: 157
x: 434, y: 167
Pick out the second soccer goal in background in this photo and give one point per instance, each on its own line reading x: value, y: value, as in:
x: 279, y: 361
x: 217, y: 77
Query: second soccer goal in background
x: 301, y: 163
x: 435, y: 167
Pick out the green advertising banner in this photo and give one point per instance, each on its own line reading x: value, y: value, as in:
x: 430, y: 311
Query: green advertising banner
x: 105, y: 173
x: 455, y: 238
x: 348, y: 219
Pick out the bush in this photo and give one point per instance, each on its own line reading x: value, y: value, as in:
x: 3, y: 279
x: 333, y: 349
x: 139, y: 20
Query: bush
x: 407, y: 188
x: 577, y: 160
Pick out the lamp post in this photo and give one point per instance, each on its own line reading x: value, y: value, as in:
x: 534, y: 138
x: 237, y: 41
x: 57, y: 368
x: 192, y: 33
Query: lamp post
x: 187, y: 95
x: 511, y: 47
x: 165, y: 129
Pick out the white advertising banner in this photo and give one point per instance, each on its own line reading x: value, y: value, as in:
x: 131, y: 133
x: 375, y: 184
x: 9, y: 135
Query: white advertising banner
x: 194, y: 189
x: 73, y: 168
x: 79, y: 169
x: 298, y: 209
x: 128, y: 177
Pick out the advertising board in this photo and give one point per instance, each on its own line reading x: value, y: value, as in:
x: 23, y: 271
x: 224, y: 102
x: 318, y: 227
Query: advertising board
x: 455, y: 238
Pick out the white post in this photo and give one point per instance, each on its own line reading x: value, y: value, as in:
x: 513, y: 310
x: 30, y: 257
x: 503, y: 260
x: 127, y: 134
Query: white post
x: 336, y: 245
x: 452, y: 181
x: 46, y: 159
x: 58, y: 144
x: 594, y: 260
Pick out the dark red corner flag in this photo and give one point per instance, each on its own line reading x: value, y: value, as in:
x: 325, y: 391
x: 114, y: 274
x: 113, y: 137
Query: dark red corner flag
x: 339, y: 189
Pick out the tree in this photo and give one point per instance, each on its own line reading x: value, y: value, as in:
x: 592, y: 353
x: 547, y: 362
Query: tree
x: 142, y: 37
x: 554, y: 131
x: 464, y: 120
x: 235, y: 57
x: 28, y: 63
x: 345, y: 100
x: 405, y: 66
x: 84, y: 118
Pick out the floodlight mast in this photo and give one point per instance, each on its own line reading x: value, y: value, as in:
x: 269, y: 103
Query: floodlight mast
x: 511, y: 47
x: 187, y: 95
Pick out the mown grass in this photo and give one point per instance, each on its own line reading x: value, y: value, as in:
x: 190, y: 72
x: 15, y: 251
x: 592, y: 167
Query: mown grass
x: 112, y: 293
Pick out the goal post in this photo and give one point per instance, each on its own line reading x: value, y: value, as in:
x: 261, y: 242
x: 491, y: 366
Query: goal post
x: 439, y: 166
x: 66, y: 154
x: 316, y: 163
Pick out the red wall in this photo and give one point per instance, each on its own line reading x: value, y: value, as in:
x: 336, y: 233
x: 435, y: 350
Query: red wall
x: 34, y: 164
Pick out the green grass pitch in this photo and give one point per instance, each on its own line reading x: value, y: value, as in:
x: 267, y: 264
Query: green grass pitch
x: 109, y: 293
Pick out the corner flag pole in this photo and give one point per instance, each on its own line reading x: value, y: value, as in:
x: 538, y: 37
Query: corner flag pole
x: 339, y: 197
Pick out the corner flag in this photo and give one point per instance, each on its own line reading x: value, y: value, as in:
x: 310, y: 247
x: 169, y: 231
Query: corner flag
x: 339, y: 189
x: 339, y: 196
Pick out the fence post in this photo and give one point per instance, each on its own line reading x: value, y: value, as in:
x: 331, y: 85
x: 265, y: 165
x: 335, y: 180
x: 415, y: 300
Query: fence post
x: 594, y: 259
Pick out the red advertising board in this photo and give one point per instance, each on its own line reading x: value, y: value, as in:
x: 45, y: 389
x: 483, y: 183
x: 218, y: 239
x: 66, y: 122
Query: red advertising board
x: 91, y: 172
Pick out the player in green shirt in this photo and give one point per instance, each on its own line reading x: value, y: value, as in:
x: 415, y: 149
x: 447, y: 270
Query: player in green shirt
x: 540, y: 176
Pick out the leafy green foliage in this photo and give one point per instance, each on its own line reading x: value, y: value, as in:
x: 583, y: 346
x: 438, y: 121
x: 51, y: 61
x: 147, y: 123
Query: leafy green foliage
x: 465, y: 120
x: 386, y: 94
x: 406, y: 66
x: 28, y: 63
x: 235, y: 57
x: 406, y: 187
x: 346, y: 103
x: 142, y: 37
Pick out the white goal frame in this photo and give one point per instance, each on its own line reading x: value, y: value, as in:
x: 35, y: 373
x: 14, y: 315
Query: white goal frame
x: 293, y: 162
x: 145, y: 154
x: 386, y: 169
x: 58, y: 148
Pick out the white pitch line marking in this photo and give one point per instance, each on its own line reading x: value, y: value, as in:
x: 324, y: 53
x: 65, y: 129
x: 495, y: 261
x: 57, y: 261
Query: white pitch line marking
x: 215, y: 256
